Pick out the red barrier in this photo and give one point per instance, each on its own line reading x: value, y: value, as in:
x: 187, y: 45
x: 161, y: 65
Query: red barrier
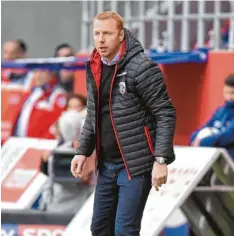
x: 184, y: 82
x: 80, y: 82
x: 80, y: 76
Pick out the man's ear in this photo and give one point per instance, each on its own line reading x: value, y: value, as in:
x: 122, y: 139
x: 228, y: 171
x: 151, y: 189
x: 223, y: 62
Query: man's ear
x: 121, y: 36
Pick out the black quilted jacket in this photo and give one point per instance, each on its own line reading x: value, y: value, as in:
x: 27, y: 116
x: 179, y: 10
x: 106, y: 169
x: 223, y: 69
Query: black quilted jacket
x: 142, y: 114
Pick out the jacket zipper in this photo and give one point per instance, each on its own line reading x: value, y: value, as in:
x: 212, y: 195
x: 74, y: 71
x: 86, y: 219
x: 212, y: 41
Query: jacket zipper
x: 113, y: 125
x: 149, y: 140
x: 98, y: 130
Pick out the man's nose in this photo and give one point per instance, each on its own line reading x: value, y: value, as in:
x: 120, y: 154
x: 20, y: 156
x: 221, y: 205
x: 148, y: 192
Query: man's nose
x: 101, y: 38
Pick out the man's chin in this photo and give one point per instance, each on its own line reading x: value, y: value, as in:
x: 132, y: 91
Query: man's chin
x: 103, y: 54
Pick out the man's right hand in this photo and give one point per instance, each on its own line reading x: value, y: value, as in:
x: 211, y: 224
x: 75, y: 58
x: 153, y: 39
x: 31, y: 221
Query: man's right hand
x: 77, y: 165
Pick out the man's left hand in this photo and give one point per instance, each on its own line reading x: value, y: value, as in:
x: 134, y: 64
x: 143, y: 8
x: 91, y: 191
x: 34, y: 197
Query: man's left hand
x: 159, y: 175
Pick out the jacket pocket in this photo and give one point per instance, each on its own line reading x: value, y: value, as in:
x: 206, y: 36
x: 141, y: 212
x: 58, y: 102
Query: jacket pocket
x: 149, y: 140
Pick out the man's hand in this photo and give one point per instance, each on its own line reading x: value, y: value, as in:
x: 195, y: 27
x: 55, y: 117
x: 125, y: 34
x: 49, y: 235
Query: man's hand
x: 196, y: 142
x: 77, y: 164
x: 45, y: 156
x: 159, y: 175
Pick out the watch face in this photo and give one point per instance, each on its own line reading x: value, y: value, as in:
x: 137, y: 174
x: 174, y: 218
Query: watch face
x: 161, y: 160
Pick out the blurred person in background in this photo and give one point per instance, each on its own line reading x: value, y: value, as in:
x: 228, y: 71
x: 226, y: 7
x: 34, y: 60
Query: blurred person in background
x: 131, y: 120
x: 68, y: 197
x: 43, y: 106
x: 65, y: 77
x: 76, y: 104
x: 12, y: 50
x: 219, y: 130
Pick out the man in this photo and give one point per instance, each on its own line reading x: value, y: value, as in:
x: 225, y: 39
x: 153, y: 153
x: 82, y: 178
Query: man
x: 43, y: 106
x: 131, y: 121
x: 219, y: 130
x: 65, y: 77
x: 14, y: 49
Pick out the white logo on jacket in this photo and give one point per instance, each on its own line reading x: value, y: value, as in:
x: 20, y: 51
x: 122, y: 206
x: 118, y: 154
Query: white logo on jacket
x: 122, y: 87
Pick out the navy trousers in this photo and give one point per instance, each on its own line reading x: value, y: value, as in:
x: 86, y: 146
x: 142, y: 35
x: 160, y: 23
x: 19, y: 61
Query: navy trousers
x: 119, y: 202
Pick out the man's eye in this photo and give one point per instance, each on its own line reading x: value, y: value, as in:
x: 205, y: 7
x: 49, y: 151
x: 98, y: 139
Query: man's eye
x: 96, y: 33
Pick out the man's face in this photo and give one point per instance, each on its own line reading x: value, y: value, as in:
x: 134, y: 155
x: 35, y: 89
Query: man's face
x: 107, y: 38
x: 75, y: 105
x: 42, y: 77
x: 228, y: 93
x: 65, y: 52
x: 65, y: 75
x: 11, y: 51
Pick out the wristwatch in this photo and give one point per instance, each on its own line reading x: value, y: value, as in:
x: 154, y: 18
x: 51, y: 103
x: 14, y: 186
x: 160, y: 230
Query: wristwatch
x: 161, y: 160
x: 76, y: 152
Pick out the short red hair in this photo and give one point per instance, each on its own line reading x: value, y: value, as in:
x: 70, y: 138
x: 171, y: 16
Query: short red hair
x: 106, y: 15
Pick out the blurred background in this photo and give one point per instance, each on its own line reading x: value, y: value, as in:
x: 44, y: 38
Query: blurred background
x: 43, y: 107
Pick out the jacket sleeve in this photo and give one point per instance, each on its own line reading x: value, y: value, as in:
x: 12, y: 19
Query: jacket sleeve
x: 209, y: 123
x: 151, y: 88
x: 221, y: 139
x: 86, y: 142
